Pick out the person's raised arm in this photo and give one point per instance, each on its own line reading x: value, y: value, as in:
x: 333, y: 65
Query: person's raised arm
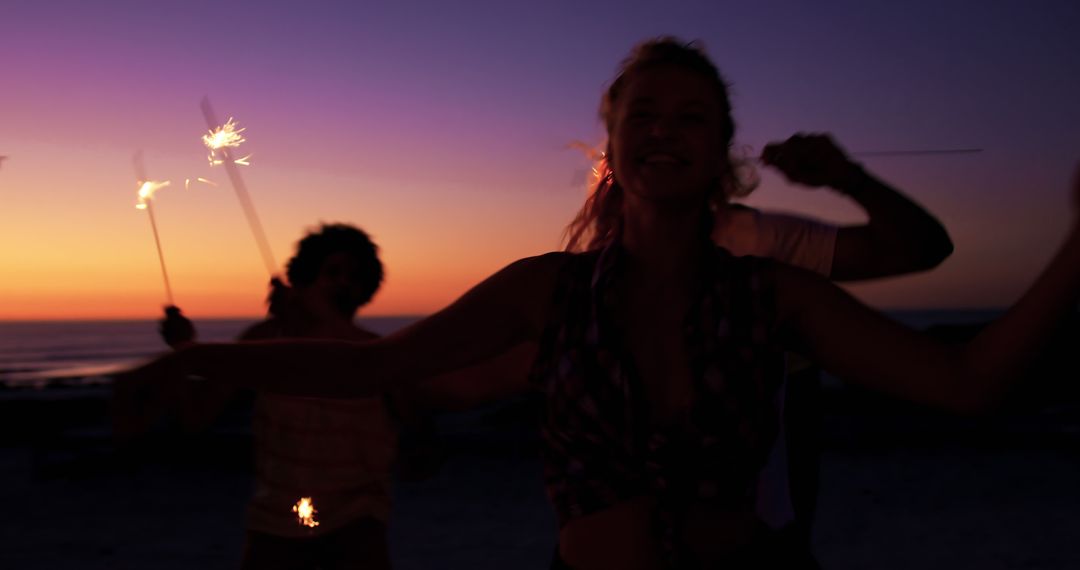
x: 506, y: 309
x: 899, y: 237
x: 862, y: 346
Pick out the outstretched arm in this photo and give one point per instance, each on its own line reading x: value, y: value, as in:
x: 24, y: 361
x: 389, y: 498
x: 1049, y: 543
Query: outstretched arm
x: 900, y: 236
x: 496, y: 379
x: 503, y: 311
x: 862, y: 346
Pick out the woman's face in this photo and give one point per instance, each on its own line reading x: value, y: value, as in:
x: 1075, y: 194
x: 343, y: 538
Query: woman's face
x: 666, y: 140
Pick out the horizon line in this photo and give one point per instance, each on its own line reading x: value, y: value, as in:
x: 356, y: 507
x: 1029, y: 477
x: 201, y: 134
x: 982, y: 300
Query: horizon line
x: 422, y: 315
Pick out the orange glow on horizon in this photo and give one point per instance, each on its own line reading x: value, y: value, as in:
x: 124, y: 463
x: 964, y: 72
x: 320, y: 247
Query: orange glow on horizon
x: 95, y: 259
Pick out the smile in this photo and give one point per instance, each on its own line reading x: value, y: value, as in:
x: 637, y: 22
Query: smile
x: 661, y: 158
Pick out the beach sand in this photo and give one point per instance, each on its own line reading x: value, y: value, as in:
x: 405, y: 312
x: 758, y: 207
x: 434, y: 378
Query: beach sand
x: 900, y: 489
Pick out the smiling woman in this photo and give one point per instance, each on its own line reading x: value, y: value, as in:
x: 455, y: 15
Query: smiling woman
x: 669, y: 137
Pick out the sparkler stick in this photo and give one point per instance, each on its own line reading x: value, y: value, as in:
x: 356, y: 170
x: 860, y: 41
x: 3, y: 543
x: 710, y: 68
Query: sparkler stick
x: 926, y: 152
x: 898, y: 153
x: 146, y: 196
x: 220, y: 140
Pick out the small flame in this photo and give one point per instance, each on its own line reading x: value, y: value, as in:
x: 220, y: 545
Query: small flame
x: 305, y: 512
x: 225, y: 136
x: 146, y: 191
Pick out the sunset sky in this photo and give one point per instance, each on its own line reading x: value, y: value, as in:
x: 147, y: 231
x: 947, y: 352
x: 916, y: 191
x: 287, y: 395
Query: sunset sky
x: 441, y: 129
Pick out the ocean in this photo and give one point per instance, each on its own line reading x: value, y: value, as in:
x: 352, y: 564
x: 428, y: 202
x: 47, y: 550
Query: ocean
x: 37, y: 354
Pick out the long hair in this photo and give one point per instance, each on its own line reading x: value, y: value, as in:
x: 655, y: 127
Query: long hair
x: 598, y: 221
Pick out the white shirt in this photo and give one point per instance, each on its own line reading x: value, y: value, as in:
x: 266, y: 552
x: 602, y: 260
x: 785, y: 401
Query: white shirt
x: 801, y: 242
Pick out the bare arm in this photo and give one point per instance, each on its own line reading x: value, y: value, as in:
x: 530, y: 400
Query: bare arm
x: 499, y: 378
x: 900, y: 236
x: 505, y: 310
x: 862, y: 346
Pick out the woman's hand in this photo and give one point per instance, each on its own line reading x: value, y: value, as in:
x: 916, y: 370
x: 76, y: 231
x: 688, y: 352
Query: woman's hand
x: 813, y: 160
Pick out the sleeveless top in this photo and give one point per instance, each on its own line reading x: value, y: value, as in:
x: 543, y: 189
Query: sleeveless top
x: 598, y: 445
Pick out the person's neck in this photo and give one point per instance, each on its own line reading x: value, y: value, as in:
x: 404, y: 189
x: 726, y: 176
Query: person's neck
x: 322, y: 322
x: 662, y: 242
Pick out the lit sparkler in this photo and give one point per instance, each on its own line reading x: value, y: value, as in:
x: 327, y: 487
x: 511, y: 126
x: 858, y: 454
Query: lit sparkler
x: 145, y: 195
x: 904, y: 152
x: 220, y: 140
x: 305, y: 512
x: 146, y: 192
x: 917, y: 152
x: 223, y: 137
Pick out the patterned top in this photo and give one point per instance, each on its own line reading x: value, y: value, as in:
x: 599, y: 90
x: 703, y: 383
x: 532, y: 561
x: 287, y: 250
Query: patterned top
x: 338, y: 452
x: 599, y: 447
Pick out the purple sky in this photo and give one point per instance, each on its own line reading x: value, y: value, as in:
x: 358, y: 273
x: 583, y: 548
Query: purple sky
x: 440, y: 127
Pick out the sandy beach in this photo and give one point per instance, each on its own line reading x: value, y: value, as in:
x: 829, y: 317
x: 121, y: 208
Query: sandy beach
x: 901, y: 488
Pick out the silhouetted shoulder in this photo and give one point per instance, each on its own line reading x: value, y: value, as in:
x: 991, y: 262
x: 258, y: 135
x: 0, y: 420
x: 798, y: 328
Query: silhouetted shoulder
x: 530, y: 276
x: 270, y: 328
x: 546, y: 264
x: 550, y: 261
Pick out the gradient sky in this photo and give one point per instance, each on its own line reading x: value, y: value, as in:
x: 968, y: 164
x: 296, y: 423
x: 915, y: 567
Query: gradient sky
x: 441, y: 129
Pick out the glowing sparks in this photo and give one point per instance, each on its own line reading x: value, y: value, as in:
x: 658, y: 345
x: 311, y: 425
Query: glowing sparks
x: 187, y: 182
x: 224, y: 137
x: 599, y: 170
x: 305, y: 512
x: 147, y: 190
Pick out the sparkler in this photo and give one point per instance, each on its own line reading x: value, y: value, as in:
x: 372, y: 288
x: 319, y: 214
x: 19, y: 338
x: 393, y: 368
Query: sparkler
x: 920, y: 152
x: 305, y: 512
x: 905, y: 152
x: 220, y: 140
x: 147, y: 188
